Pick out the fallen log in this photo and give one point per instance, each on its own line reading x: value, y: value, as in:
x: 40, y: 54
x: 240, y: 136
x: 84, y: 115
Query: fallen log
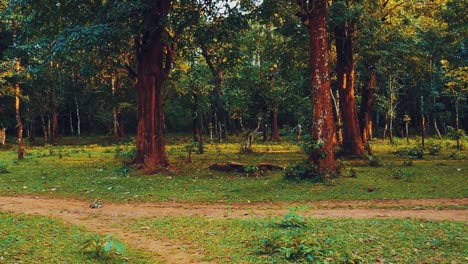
x: 269, y: 166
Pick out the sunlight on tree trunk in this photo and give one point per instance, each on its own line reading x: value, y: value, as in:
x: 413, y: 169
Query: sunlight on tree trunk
x: 19, y: 123
x: 352, y: 143
x: 323, y: 125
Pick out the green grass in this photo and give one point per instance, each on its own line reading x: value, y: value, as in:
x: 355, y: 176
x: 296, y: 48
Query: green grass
x: 32, y: 239
x: 370, y: 241
x: 92, y: 171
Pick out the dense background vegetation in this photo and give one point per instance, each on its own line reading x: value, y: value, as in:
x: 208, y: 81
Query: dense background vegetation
x: 75, y: 60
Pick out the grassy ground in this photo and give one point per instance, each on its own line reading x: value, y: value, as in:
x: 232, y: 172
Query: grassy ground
x: 320, y: 240
x: 98, y: 171
x: 27, y: 239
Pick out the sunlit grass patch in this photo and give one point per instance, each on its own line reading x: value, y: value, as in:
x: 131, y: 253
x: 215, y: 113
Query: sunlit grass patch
x: 104, y: 172
x: 334, y: 241
x: 32, y: 239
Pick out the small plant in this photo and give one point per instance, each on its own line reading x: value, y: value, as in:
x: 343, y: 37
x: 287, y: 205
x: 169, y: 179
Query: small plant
x: 102, y: 246
x: 412, y: 153
x: 293, y: 220
x: 400, y: 174
x: 434, y: 149
x: 3, y: 167
x: 375, y: 161
x: 457, y: 135
x: 456, y: 155
x: 126, y: 154
x: 292, y: 242
x: 253, y: 170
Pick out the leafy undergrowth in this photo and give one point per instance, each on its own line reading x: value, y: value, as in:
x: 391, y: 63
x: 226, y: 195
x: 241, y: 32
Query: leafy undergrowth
x: 301, y: 240
x: 102, y: 172
x: 32, y: 239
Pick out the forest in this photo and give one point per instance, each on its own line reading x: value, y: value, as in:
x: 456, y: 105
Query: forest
x: 236, y: 103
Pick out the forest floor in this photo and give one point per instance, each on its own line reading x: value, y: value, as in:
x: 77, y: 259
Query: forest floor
x: 109, y: 218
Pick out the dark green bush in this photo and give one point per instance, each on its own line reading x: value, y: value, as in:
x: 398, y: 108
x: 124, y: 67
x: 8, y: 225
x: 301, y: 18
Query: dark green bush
x: 303, y: 171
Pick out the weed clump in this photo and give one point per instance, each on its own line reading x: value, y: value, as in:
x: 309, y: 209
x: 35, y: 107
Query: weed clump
x: 304, y: 171
x: 3, y: 167
x: 291, y: 241
x: 416, y: 152
x: 375, y: 161
x: 434, y: 149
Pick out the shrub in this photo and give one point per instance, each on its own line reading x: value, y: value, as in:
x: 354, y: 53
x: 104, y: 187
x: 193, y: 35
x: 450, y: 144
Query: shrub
x: 375, y: 161
x: 416, y: 152
x: 3, y: 167
x: 302, y: 171
x: 291, y: 241
x: 434, y: 149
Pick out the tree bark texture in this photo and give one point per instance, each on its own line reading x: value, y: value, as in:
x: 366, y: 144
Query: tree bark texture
x: 367, y: 105
x: 154, y: 62
x: 314, y: 15
x: 352, y: 142
x: 19, y: 123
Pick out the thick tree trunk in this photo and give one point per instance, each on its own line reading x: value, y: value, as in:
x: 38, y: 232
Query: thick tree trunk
x: 367, y: 105
x: 323, y: 125
x: 151, y: 53
x: 352, y: 142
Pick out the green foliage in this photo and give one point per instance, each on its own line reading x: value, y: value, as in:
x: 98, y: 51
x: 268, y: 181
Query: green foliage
x: 3, y: 167
x: 36, y: 239
x: 293, y: 220
x: 457, y: 155
x: 402, y: 175
x: 434, y: 149
x: 125, y: 153
x: 252, y: 170
x: 290, y: 241
x: 416, y: 152
x: 103, y: 246
x: 375, y: 161
x: 259, y: 240
x: 302, y: 171
x: 458, y: 135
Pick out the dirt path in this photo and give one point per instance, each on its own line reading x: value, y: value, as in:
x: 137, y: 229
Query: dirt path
x: 104, y: 220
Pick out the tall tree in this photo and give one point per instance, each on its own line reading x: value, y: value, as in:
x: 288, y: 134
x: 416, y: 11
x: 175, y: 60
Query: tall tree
x: 314, y: 16
x: 344, y: 28
x: 154, y: 55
